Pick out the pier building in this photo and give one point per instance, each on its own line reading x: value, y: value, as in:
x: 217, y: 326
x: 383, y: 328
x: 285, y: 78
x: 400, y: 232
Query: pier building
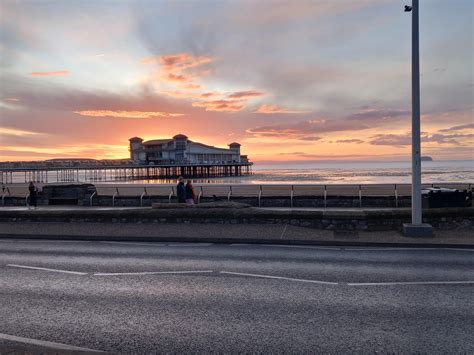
x: 181, y: 150
x: 149, y: 160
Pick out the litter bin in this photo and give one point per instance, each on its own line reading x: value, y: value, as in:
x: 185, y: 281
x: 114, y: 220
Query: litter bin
x: 437, y: 197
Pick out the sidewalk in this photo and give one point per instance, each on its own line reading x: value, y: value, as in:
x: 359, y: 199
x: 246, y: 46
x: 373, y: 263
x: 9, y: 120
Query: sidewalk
x: 227, y: 233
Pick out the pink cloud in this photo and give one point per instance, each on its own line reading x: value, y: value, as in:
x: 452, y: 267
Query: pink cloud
x: 126, y: 114
x: 269, y: 109
x: 50, y: 73
x: 192, y: 86
x: 245, y: 94
x: 176, y: 78
x: 220, y: 105
x: 177, y: 62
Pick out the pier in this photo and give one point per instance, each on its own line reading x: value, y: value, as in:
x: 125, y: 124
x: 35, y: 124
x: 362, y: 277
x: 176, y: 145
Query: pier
x: 121, y: 173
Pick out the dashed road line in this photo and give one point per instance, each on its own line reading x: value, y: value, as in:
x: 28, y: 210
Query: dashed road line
x: 352, y: 249
x: 411, y: 283
x: 134, y: 243
x: 159, y: 244
x: 190, y: 245
x: 406, y: 249
x: 305, y: 247
x: 279, y: 278
x: 44, y: 343
x: 151, y: 273
x: 46, y: 269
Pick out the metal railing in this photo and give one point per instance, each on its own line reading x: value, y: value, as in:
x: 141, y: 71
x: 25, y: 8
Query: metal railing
x: 291, y: 192
x: 258, y: 192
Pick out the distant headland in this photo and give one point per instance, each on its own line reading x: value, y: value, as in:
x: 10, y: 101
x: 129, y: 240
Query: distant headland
x: 426, y: 158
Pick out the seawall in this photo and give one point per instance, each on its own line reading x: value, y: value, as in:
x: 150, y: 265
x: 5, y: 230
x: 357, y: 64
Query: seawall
x: 322, y: 219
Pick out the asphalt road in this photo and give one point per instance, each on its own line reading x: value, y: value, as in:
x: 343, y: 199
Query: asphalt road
x: 208, y: 298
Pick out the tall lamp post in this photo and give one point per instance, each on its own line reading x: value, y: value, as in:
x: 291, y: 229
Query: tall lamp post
x: 416, y: 228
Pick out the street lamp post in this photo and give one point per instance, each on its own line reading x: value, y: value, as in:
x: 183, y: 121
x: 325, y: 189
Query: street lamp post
x: 417, y: 228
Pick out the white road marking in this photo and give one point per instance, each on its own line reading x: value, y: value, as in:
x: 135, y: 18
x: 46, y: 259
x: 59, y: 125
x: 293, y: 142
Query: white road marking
x: 151, y: 273
x: 411, y: 283
x: 459, y: 249
x: 48, y: 344
x: 135, y: 243
x: 279, y: 278
x: 304, y: 247
x: 404, y: 249
x: 190, y: 245
x: 160, y: 244
x: 47, y: 269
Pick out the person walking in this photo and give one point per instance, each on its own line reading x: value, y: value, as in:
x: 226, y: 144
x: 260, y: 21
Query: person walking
x: 33, y: 198
x: 181, y: 190
x: 190, y: 195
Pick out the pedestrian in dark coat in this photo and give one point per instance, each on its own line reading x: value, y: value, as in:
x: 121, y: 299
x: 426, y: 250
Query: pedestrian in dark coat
x: 33, y: 198
x: 181, y: 190
x: 190, y: 195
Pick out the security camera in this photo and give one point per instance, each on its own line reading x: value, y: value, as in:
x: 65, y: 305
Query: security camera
x: 408, y: 8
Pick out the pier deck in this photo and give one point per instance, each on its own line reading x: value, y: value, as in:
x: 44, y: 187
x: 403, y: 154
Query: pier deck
x: 127, y: 172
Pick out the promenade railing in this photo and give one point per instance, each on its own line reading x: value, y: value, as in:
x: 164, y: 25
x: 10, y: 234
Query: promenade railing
x: 259, y: 192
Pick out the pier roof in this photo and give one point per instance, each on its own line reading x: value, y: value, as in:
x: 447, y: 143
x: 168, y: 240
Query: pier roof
x: 157, y: 141
x: 136, y: 139
x: 180, y: 136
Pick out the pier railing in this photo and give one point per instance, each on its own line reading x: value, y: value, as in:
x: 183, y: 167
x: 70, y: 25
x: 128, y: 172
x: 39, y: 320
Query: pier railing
x: 258, y: 192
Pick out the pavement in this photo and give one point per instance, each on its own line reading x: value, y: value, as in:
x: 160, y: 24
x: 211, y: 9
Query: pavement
x: 145, y: 297
x: 226, y: 233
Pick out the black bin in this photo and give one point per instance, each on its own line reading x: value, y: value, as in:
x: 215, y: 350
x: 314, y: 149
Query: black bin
x: 437, y: 197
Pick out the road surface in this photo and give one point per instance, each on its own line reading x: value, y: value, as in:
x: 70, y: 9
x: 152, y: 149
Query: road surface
x: 124, y: 297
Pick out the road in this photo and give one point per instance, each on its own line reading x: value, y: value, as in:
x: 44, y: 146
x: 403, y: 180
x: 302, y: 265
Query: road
x: 121, y: 297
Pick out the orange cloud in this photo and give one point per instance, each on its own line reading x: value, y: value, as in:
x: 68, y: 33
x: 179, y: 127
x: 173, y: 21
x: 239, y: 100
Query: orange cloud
x: 207, y: 95
x: 182, y: 61
x: 183, y: 69
x: 192, y: 86
x: 126, y: 114
x: 245, y: 94
x: 17, y: 132
x: 191, y: 95
x: 220, y: 105
x: 11, y: 99
x: 268, y: 109
x: 177, y: 62
x: 50, y: 73
x: 177, y: 78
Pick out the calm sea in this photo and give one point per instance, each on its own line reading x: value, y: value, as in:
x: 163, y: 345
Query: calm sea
x: 335, y: 173
x: 363, y: 172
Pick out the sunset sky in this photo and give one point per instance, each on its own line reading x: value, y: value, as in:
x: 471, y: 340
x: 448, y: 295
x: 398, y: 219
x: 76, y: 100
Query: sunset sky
x: 289, y: 80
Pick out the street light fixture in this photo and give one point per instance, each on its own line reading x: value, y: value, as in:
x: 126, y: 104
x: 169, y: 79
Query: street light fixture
x: 416, y: 228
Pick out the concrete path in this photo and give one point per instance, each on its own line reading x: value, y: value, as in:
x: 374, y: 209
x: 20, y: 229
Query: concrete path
x: 206, y: 298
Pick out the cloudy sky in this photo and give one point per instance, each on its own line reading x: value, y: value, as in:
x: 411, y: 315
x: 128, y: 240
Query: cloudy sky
x: 289, y: 80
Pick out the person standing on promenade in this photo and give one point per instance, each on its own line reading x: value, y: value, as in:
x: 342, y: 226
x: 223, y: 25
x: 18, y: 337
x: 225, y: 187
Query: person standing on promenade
x: 181, y: 190
x: 190, y: 195
x: 33, y: 198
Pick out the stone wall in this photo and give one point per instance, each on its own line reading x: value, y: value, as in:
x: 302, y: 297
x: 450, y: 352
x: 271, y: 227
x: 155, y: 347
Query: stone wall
x: 359, y: 220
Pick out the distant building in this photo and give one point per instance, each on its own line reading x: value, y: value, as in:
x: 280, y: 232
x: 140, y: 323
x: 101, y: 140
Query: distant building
x: 180, y: 149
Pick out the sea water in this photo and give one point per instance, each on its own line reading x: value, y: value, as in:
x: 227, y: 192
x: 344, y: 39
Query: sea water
x: 341, y: 172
